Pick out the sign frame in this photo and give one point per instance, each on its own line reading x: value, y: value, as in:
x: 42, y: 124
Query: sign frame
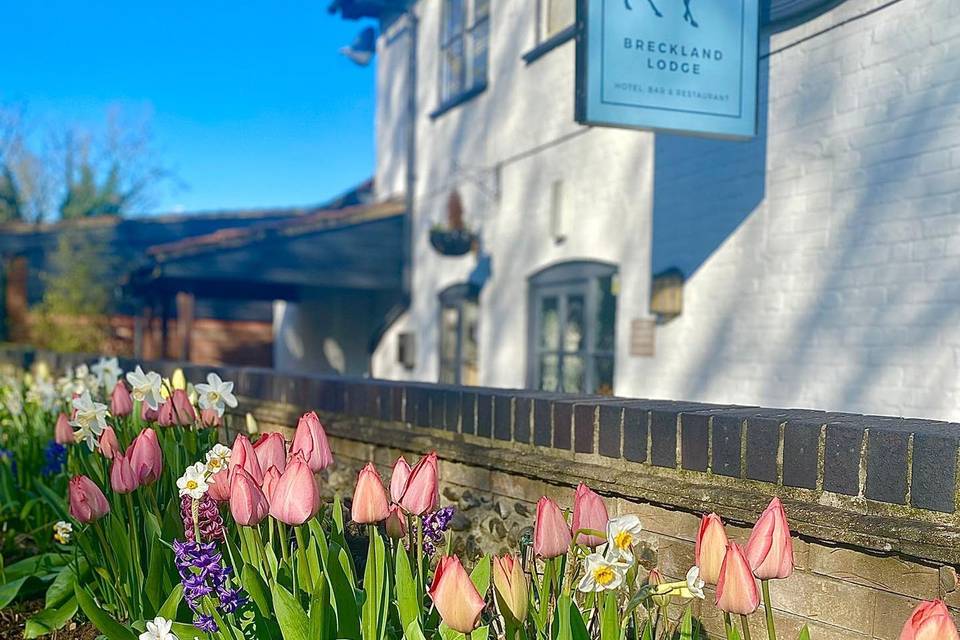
x: 662, y: 119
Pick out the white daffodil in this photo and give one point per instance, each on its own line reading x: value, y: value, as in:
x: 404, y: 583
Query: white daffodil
x: 601, y: 573
x: 216, y: 394
x: 622, y: 534
x: 13, y: 401
x: 62, y: 532
x: 694, y: 583
x: 218, y: 458
x: 146, y: 387
x: 90, y: 419
x: 82, y: 372
x: 193, y: 482
x: 158, y: 629
x: 107, y: 371
x: 43, y: 394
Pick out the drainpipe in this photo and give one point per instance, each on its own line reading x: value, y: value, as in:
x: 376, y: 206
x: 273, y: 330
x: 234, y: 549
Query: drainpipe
x: 407, y: 279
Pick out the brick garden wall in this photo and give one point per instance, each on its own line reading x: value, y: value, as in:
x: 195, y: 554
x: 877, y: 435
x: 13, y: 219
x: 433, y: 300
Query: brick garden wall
x: 872, y: 499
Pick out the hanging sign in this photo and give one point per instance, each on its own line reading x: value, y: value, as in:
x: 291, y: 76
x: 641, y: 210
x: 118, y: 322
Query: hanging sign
x: 687, y: 66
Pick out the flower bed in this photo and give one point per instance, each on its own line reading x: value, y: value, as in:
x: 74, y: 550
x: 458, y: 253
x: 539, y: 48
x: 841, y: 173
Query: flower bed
x: 121, y: 506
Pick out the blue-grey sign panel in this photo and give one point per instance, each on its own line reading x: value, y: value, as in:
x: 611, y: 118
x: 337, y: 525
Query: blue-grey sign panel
x: 679, y: 65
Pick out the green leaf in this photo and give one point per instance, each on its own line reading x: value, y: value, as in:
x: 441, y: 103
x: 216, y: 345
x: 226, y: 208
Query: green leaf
x: 413, y: 632
x: 564, y: 604
x: 50, y: 619
x: 686, y: 625
x: 610, y: 622
x: 480, y: 576
x: 294, y: 624
x: 171, y: 604
x: 9, y: 591
x: 804, y: 633
x: 408, y: 605
x: 259, y: 591
x: 344, y: 595
x: 61, y: 589
x: 109, y: 627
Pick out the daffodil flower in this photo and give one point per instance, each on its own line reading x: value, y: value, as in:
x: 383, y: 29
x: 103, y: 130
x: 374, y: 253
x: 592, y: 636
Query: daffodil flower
x: 107, y: 372
x: 216, y: 394
x: 601, y: 573
x: 690, y: 587
x: 62, y: 531
x: 158, y: 629
x: 193, y: 482
x: 217, y: 458
x: 622, y: 534
x: 90, y: 419
x: 145, y: 387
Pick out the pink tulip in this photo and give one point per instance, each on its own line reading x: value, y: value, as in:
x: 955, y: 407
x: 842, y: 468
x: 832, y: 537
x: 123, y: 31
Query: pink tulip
x: 248, y: 504
x: 219, y: 488
x: 147, y: 414
x: 551, y: 535
x: 510, y: 586
x: 242, y: 455
x: 108, y: 443
x: 210, y: 418
x: 396, y: 523
x: 589, y: 512
x: 736, y: 588
x: 711, y: 548
x: 930, y: 621
x: 271, y: 450
x: 370, y: 502
x: 421, y: 492
x: 165, y: 414
x: 398, y: 479
x: 270, y: 480
x: 310, y: 441
x: 146, y: 458
x: 770, y: 549
x: 295, y: 498
x: 455, y: 596
x: 87, y: 502
x: 121, y: 404
x: 183, y: 412
x: 123, y: 479
x: 63, y: 432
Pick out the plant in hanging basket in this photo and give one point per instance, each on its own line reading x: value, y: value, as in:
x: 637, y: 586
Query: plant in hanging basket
x: 454, y: 239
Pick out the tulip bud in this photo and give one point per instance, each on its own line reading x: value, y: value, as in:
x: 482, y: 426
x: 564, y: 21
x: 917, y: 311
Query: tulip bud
x: 421, y: 492
x: 210, y: 418
x: 123, y: 479
x: 295, y: 499
x: 183, y: 412
x: 370, y: 503
x: 87, y: 502
x: 736, y: 587
x: 147, y: 414
x: 551, y: 535
x: 589, y: 512
x: 455, y: 596
x: 510, y: 587
x: 165, y: 414
x: 271, y: 451
x: 63, y: 432
x: 396, y: 523
x: 930, y: 621
x: 310, y: 441
x: 248, y: 504
x: 656, y: 578
x: 270, y: 480
x: 219, y: 486
x: 108, y: 443
x: 121, y: 404
x: 770, y: 549
x: 243, y: 455
x: 711, y: 547
x: 398, y: 478
x: 146, y: 457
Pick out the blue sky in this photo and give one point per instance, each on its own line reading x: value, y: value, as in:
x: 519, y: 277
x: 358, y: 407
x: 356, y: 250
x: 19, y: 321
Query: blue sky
x: 251, y: 103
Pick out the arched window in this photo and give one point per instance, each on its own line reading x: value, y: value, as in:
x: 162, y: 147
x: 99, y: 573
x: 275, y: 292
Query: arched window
x: 458, y: 335
x: 572, y: 335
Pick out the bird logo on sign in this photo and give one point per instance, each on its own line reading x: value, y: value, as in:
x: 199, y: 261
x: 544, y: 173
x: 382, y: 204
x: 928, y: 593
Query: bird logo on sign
x: 687, y: 14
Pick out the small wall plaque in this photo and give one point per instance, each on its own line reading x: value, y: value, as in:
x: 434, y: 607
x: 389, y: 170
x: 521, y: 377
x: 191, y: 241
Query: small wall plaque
x: 642, y: 337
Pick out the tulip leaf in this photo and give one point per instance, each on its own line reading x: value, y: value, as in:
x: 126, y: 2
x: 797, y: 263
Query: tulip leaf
x: 375, y: 588
x: 687, y: 625
x: 252, y: 581
x: 413, y: 631
x: 9, y: 591
x: 564, y: 604
x: 344, y: 595
x: 156, y: 568
x: 480, y: 576
x: 51, y: 618
x: 53, y: 500
x: 169, y: 608
x: 609, y: 621
x: 804, y: 633
x: 321, y: 623
x: 408, y: 605
x: 109, y: 627
x: 294, y: 624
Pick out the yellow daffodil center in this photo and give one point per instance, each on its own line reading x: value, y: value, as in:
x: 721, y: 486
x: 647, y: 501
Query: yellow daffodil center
x: 214, y: 463
x: 213, y: 396
x: 603, y: 575
x: 623, y: 540
x: 192, y: 484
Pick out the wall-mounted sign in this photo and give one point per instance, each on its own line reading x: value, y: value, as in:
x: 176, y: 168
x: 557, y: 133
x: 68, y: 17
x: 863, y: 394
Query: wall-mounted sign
x: 688, y: 66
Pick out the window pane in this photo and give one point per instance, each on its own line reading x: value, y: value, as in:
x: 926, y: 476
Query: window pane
x: 549, y: 372
x: 453, y: 69
x: 447, y: 373
x: 572, y: 374
x: 573, y: 331
x: 448, y: 334
x: 481, y: 46
x: 606, y: 315
x: 481, y: 9
x: 604, y: 375
x: 549, y: 324
x: 454, y: 18
x: 560, y: 14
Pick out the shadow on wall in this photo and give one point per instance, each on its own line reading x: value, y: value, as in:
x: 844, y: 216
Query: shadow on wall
x: 704, y: 189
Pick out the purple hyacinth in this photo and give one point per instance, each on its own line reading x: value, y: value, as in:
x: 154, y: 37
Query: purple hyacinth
x: 203, y: 574
x: 208, y: 514
x: 434, y: 526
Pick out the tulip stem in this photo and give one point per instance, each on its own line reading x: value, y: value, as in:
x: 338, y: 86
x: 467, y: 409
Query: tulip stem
x: 768, y: 610
x: 727, y: 623
x: 745, y: 625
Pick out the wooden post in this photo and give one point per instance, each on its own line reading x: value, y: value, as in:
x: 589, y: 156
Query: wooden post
x: 185, y: 304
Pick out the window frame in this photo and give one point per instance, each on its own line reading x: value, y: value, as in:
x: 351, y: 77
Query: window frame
x: 544, y: 44
x: 466, y: 34
x: 564, y: 280
x: 455, y: 297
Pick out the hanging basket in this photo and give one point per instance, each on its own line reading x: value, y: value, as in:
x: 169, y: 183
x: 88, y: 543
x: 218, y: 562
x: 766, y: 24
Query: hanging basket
x: 451, y: 242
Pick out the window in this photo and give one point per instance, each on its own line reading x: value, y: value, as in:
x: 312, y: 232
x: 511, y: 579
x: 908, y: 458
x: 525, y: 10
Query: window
x: 459, y: 314
x: 573, y: 328
x: 555, y: 17
x: 464, y: 47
